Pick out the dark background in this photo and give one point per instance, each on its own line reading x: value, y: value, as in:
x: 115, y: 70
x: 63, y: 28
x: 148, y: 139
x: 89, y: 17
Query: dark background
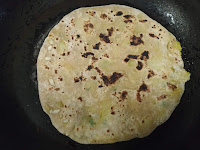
x: 24, y: 25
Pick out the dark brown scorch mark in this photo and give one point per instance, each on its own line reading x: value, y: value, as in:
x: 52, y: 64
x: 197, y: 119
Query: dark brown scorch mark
x: 123, y: 95
x: 111, y: 79
x: 144, y: 55
x: 93, y: 77
x: 106, y: 55
x: 119, y: 13
x: 151, y: 74
x: 104, y: 38
x: 128, y: 16
x: 131, y: 57
x: 46, y: 67
x: 87, y: 26
x: 171, y: 86
x: 98, y: 70
x: 128, y: 21
x: 136, y: 40
x: 96, y: 46
x: 153, y: 35
x: 87, y: 54
x: 61, y: 79
x: 164, y: 76
x: 76, y: 80
x: 63, y: 54
x: 162, y: 97
x: 110, y: 31
x: 80, y: 98
x: 89, y: 67
x: 140, y: 65
x: 103, y: 16
x: 143, y: 88
x: 143, y: 21
x: 57, y: 89
x: 91, y: 13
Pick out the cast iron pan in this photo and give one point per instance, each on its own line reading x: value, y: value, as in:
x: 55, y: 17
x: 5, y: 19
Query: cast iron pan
x: 23, y: 28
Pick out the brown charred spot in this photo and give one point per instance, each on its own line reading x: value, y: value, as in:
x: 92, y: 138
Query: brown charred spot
x: 119, y: 13
x: 80, y: 98
x: 96, y: 46
x: 104, y: 38
x: 106, y: 55
x: 57, y: 89
x: 103, y: 16
x: 138, y: 97
x: 85, y: 55
x: 50, y: 89
x: 100, y: 86
x: 82, y: 78
x: 133, y: 56
x: 142, y: 121
x: 153, y: 35
x: 94, y: 58
x: 61, y: 79
x: 107, y: 130
x: 162, y: 97
x: 87, y: 26
x: 151, y: 74
x: 63, y: 54
x: 94, y: 77
x: 128, y: 16
x: 56, y: 38
x: 123, y: 95
x: 110, y: 31
x: 143, y: 87
x: 143, y: 21
x: 128, y: 21
x: 144, y: 55
x: 85, y: 48
x: 91, y: 13
x: 78, y: 36
x: 98, y: 70
x: 111, y: 79
x: 171, y: 86
x: 126, y: 59
x: 54, y: 47
x: 160, y: 30
x: 53, y: 55
x: 140, y: 65
x: 164, y: 76
x: 46, y: 67
x: 68, y: 53
x: 76, y: 80
x: 136, y: 40
x: 89, y: 67
x: 112, y: 112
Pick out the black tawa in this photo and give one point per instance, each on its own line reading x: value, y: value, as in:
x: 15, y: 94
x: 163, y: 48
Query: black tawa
x: 24, y: 24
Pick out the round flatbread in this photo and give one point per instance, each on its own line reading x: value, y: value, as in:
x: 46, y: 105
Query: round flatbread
x: 109, y: 73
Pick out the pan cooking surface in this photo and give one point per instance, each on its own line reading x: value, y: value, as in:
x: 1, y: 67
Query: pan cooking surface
x: 24, y: 26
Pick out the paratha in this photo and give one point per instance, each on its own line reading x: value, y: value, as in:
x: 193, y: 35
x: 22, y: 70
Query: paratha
x: 109, y: 73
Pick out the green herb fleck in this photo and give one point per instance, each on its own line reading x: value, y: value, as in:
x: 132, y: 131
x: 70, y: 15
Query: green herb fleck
x: 91, y: 121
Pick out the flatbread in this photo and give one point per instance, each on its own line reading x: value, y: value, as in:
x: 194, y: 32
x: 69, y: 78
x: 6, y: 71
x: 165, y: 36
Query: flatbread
x: 109, y: 74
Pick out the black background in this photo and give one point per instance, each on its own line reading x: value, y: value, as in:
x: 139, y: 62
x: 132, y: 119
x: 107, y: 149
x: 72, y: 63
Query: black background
x: 23, y: 27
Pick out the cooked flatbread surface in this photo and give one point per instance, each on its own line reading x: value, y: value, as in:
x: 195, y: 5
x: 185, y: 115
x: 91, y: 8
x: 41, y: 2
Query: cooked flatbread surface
x: 109, y: 73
